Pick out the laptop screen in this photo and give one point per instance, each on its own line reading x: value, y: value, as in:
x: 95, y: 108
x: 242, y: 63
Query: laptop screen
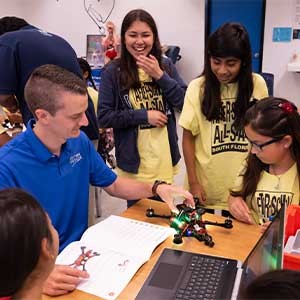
x: 267, y: 254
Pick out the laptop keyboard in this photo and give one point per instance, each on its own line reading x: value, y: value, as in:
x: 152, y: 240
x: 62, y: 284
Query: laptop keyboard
x: 202, y: 278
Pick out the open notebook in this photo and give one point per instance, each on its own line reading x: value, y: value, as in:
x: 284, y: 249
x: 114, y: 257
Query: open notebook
x: 185, y: 275
x: 111, y: 252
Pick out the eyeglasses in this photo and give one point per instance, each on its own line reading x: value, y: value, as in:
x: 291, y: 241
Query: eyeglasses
x: 260, y: 147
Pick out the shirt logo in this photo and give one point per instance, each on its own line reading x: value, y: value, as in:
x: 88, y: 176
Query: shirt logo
x: 44, y: 32
x: 148, y: 97
x: 75, y: 159
x: 224, y: 136
x: 269, y: 202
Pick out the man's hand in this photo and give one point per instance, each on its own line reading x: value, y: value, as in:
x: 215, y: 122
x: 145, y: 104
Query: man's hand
x: 239, y: 209
x: 150, y: 65
x: 167, y: 192
x: 264, y: 226
x: 157, y: 118
x: 63, y: 279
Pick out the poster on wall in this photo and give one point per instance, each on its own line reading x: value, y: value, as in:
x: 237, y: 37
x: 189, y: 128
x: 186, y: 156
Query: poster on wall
x: 282, y: 34
x: 296, y: 13
x: 94, y: 50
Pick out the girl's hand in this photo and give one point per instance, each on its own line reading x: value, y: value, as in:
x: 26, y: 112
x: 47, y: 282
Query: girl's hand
x: 63, y: 279
x: 197, y: 191
x: 150, y: 65
x: 264, y: 226
x: 157, y: 118
x: 239, y: 209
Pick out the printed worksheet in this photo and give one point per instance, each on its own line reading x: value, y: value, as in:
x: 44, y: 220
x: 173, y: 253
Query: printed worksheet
x: 111, y: 252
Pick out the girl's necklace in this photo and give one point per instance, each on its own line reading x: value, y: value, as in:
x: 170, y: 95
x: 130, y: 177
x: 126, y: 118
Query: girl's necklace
x: 277, y: 186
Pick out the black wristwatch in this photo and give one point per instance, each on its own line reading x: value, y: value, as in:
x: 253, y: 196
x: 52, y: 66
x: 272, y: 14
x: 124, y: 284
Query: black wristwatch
x: 155, y: 186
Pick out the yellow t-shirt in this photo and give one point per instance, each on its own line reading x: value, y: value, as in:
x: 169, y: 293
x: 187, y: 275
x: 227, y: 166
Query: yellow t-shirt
x: 152, y: 142
x: 272, y: 191
x: 219, y: 150
x: 94, y: 95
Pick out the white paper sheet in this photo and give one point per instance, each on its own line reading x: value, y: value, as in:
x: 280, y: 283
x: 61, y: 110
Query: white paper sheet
x: 111, y: 252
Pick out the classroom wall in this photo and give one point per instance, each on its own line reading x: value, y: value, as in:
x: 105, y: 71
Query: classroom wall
x: 180, y: 22
x: 11, y: 8
x: 278, y: 54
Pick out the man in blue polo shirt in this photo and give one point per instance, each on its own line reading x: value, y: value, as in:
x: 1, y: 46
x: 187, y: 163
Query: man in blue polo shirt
x: 55, y: 162
x: 22, y: 49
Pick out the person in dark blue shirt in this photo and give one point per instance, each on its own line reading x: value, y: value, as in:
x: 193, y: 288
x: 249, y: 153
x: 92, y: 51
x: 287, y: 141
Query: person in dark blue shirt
x: 56, y: 162
x: 23, y: 48
x: 273, y: 285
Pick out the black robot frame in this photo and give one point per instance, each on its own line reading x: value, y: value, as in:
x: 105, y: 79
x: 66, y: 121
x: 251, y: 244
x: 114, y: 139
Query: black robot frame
x: 188, y: 222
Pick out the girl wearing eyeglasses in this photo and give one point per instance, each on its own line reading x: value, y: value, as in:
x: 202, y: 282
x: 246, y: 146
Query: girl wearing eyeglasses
x: 270, y: 176
x: 214, y: 144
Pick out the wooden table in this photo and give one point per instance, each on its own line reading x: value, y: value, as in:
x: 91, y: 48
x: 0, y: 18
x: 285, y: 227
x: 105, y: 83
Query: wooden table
x: 233, y: 243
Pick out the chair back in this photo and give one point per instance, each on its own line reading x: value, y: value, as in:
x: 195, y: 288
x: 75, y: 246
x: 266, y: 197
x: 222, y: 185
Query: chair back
x: 173, y: 53
x: 269, y: 79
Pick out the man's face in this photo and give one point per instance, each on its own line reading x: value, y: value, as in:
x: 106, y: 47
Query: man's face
x: 70, y: 117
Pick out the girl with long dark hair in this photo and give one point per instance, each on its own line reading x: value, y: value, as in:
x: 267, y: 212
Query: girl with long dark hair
x: 271, y: 174
x: 214, y: 144
x: 138, y: 95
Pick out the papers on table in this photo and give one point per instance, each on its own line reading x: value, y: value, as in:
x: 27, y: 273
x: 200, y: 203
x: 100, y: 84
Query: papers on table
x: 111, y: 252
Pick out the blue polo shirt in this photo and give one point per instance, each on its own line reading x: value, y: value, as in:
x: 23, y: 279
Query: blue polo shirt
x: 60, y: 184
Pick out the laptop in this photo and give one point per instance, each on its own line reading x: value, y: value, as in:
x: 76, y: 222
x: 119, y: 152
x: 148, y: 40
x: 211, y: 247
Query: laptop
x: 185, y: 275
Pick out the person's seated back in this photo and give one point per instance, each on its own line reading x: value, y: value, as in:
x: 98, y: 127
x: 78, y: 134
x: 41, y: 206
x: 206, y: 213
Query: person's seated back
x: 277, y: 284
x: 23, y: 48
x: 29, y: 245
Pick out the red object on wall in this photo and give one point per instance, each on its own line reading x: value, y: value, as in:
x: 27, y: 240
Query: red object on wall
x: 292, y: 261
x: 111, y: 53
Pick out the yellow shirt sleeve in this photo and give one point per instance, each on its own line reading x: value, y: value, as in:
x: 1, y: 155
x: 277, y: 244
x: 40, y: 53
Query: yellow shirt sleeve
x: 94, y: 95
x: 238, y: 183
x: 260, y: 89
x: 191, y: 113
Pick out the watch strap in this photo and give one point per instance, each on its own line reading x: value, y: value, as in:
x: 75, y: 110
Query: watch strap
x: 155, y: 186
